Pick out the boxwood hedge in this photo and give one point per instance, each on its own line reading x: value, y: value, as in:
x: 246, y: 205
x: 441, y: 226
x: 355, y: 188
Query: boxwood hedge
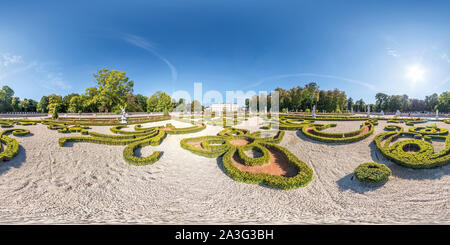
x: 132, y: 139
x: 215, y: 146
x: 314, y: 132
x: 412, y: 152
x: 372, y: 172
x: 12, y: 145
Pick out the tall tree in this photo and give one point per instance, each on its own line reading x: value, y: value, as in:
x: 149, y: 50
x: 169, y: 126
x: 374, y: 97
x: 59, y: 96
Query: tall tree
x: 6, y: 94
x: 54, y: 103
x: 443, y: 102
x: 113, y: 87
x: 42, y: 105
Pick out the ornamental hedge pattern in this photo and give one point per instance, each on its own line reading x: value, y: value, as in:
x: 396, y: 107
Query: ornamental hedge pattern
x: 416, y: 151
x: 133, y: 140
x: 12, y: 145
x: 262, y: 142
x: 372, y: 172
x: 314, y: 131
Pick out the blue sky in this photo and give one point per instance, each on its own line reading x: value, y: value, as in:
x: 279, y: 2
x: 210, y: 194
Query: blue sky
x: 361, y: 47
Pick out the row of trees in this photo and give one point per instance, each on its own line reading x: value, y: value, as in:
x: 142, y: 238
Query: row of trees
x: 304, y: 98
x: 10, y: 103
x: 392, y: 103
x: 114, y: 90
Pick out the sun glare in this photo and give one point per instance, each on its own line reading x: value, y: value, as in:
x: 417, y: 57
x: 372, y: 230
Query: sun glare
x: 415, y: 73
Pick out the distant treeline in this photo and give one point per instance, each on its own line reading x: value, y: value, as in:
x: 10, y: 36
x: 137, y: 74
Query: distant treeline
x: 114, y: 90
x: 303, y: 98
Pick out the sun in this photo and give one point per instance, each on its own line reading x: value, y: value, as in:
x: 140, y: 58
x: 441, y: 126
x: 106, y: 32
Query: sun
x: 415, y: 73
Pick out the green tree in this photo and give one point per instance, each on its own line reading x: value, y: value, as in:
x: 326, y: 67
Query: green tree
x: 6, y: 94
x: 164, y: 103
x: 66, y: 101
x: 431, y: 102
x: 42, y: 105
x: 141, y: 100
x: 113, y: 87
x: 152, y: 102
x: 181, y: 105
x: 54, y: 103
x: 382, y: 101
x: 15, y: 101
x: 443, y: 102
x: 196, y: 106
x: 75, y: 104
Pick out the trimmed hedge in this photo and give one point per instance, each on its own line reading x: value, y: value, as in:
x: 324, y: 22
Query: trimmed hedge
x: 12, y: 145
x: 314, y: 132
x: 132, y: 139
x: 303, y: 177
x: 429, y: 130
x: 372, y: 172
x: 188, y: 130
x: 422, y: 154
x: 106, y: 121
x: 253, y: 161
x: 215, y: 146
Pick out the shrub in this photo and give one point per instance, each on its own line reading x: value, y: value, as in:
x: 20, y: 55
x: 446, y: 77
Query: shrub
x: 132, y: 139
x: 314, y: 132
x: 372, y: 172
x: 429, y: 130
x: 423, y: 155
x: 55, y: 114
x: 12, y: 145
x: 215, y: 146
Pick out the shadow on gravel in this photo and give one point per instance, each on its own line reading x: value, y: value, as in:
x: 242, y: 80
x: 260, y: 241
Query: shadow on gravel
x: 303, y: 137
x: 16, y: 162
x: 349, y: 182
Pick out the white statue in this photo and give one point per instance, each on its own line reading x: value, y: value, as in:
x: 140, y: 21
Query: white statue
x: 352, y: 109
x: 382, y: 112
x: 368, y: 110
x: 314, y: 111
x: 124, y: 118
x: 397, y: 113
x: 437, y: 114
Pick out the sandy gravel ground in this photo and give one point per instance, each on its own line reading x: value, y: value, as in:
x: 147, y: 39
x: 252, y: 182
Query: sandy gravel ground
x: 90, y: 183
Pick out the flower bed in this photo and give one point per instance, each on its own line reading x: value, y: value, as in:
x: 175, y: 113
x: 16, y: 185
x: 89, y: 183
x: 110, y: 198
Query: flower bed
x: 292, y: 173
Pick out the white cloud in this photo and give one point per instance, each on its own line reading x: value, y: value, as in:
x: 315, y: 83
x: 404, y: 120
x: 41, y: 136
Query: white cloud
x: 150, y: 47
x: 392, y: 52
x: 44, y: 75
x: 445, y: 57
x: 8, y: 59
